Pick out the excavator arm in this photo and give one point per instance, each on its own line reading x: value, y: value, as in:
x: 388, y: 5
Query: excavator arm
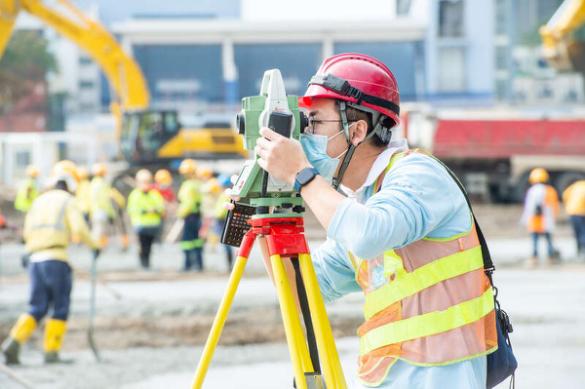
x: 123, y: 73
x: 562, y: 51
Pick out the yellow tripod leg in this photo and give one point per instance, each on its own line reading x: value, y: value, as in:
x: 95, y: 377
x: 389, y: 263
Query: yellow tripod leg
x: 219, y: 322
x: 298, y: 349
x: 332, y: 370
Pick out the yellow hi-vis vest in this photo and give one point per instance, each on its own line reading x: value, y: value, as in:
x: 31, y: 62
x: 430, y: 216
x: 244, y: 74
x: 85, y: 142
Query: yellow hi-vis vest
x: 101, y: 199
x: 145, y: 208
x: 27, y: 193
x: 190, y: 198
x: 434, y: 306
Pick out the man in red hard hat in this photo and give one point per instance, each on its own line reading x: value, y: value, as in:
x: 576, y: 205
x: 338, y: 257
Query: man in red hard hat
x: 399, y: 230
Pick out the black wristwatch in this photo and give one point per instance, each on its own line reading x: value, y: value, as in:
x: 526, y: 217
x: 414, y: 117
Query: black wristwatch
x: 304, y: 177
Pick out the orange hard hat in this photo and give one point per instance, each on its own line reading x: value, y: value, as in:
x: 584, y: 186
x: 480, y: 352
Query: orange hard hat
x: 538, y: 176
x: 163, y: 177
x: 99, y: 169
x: 32, y: 171
x: 205, y: 173
x: 188, y: 167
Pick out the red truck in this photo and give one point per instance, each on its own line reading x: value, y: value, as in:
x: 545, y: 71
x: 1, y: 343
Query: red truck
x: 493, y: 150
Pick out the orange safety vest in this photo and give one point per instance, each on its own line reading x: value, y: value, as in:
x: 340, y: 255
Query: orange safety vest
x: 428, y: 303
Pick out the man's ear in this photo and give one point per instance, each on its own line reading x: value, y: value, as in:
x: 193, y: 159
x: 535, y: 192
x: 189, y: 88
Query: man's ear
x: 358, y: 132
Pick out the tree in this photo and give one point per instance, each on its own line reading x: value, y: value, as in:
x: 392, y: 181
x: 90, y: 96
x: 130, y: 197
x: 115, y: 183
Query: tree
x: 25, y: 63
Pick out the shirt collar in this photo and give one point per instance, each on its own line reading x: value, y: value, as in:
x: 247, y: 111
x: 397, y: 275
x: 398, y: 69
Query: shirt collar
x: 378, y: 167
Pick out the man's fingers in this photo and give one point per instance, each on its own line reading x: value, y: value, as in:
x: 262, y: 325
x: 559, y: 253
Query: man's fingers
x: 264, y: 143
x: 269, y: 134
x: 262, y: 163
x: 262, y: 153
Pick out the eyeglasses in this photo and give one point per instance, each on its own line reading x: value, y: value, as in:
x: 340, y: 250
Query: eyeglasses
x: 314, y: 122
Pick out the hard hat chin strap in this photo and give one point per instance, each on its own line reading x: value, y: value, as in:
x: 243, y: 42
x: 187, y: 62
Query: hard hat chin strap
x: 384, y: 133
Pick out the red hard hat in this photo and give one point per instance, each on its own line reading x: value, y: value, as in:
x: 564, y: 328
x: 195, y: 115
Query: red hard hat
x: 369, y: 83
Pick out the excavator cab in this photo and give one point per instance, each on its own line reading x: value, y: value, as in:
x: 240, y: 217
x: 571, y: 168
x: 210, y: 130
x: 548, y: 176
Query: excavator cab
x: 144, y: 132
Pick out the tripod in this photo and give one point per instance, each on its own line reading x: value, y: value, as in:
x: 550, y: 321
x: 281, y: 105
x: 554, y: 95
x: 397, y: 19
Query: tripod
x: 285, y: 237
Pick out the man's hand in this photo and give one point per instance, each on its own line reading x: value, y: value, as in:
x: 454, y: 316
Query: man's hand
x: 281, y: 157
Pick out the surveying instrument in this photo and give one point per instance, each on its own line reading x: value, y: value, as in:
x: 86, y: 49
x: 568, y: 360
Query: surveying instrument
x: 273, y: 210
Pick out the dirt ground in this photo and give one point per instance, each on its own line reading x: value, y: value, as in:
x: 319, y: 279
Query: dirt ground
x: 163, y: 315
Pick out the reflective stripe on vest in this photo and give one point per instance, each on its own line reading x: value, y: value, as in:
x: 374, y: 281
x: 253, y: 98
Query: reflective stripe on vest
x: 59, y: 222
x: 422, y: 278
x: 428, y: 303
x: 428, y: 324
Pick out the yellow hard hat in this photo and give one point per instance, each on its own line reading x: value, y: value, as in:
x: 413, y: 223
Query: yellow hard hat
x: 83, y: 173
x: 538, y: 176
x: 214, y: 187
x: 65, y: 171
x: 188, y: 167
x: 163, y: 177
x: 99, y: 169
x: 32, y: 171
x: 205, y: 173
x: 143, y: 176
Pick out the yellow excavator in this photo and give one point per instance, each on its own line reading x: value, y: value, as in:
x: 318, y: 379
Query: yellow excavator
x: 563, y: 37
x: 146, y: 136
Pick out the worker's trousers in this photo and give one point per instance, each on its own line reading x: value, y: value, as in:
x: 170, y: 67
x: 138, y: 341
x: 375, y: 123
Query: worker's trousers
x: 549, y: 245
x: 229, y: 255
x: 146, y: 236
x: 50, y: 287
x: 578, y: 223
x: 191, y: 243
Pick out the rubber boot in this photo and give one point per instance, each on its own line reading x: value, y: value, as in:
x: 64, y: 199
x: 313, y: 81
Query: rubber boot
x: 19, y: 334
x: 54, y: 333
x: 11, y: 351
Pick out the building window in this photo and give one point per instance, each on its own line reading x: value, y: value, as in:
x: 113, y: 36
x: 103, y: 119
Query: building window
x: 403, y: 7
x: 451, y: 18
x: 451, y: 69
x: 501, y: 12
x: 501, y: 57
x: 83, y: 60
x: 86, y: 85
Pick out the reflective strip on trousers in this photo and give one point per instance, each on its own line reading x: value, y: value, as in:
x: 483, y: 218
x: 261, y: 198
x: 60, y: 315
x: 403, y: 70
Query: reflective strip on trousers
x: 410, y: 283
x: 192, y: 244
x: 428, y: 324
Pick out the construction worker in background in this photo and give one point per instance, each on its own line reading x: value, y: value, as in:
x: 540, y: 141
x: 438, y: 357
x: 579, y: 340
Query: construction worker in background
x: 28, y: 190
x: 83, y: 193
x: 220, y: 213
x: 49, y: 226
x: 541, y: 208
x: 145, y: 207
x: 574, y: 200
x: 190, y: 211
x: 163, y: 182
x: 393, y: 216
x: 102, y: 209
x: 209, y: 191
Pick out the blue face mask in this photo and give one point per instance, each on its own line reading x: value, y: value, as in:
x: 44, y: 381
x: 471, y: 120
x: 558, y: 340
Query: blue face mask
x: 315, y: 147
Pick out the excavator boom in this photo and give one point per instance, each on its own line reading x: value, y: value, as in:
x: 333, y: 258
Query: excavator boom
x: 563, y: 52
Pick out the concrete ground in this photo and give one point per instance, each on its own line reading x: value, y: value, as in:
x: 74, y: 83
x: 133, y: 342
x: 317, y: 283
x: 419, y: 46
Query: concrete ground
x: 151, y: 325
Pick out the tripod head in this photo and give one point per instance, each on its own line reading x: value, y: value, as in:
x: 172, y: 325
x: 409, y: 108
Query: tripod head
x: 279, y: 112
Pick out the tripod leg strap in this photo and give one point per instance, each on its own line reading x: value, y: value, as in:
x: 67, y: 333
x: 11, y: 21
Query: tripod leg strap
x: 332, y: 370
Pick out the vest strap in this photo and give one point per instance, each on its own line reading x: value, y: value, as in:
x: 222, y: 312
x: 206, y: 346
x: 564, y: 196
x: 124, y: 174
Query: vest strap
x: 428, y: 324
x: 410, y: 283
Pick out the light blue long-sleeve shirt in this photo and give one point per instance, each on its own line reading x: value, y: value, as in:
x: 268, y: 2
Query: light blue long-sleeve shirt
x: 417, y: 199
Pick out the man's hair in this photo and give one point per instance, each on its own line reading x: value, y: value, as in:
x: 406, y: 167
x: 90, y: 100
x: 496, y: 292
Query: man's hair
x: 353, y: 115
